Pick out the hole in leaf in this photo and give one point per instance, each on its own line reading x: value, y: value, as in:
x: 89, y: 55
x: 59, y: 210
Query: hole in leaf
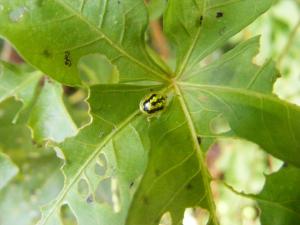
x: 219, y: 125
x: 166, y: 219
x: 83, y: 188
x: 250, y: 213
x: 102, y: 161
x: 67, y: 215
x: 195, y: 216
x: 116, y: 195
x: 103, y: 193
x: 97, y: 69
x: 99, y: 170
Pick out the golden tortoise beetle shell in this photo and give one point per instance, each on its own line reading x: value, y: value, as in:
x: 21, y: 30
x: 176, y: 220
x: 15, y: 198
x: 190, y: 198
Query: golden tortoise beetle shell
x: 153, y: 103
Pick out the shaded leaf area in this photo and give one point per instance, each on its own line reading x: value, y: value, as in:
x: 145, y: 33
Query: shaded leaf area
x: 108, y: 159
x: 248, y: 105
x: 43, y: 107
x: 197, y: 27
x: 38, y: 179
x: 78, y: 29
x: 280, y: 198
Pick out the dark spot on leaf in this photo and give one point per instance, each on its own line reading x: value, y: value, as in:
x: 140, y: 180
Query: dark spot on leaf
x: 89, y: 199
x: 219, y: 14
x: 199, y: 140
x: 285, y: 164
x: 145, y: 200
x: 189, y: 186
x: 68, y: 59
x: 201, y: 20
x: 47, y: 53
x: 131, y: 184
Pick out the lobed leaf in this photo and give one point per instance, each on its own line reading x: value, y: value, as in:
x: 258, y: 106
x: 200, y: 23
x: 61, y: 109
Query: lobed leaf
x: 280, y: 198
x: 198, y: 27
x: 43, y: 106
x: 38, y: 179
x: 54, y: 35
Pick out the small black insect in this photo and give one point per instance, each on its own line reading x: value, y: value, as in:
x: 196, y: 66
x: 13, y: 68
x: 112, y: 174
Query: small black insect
x: 219, y: 14
x: 199, y: 140
x: 201, y: 20
x: 67, y: 58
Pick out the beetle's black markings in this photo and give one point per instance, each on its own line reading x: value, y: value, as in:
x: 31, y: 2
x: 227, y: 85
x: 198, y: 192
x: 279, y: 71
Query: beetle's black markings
x: 219, y: 14
x: 67, y: 59
x: 153, y: 103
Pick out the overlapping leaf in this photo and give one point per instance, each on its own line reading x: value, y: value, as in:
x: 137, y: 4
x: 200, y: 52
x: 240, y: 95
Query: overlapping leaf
x: 7, y: 170
x: 36, y: 179
x: 281, y: 198
x: 43, y: 106
x: 197, y: 27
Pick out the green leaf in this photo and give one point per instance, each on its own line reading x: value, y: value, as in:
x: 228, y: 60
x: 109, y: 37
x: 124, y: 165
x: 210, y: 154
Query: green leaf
x: 121, y: 138
x: 242, y: 94
x: 39, y: 179
x: 173, y: 180
x: 280, y: 199
x: 106, y: 144
x: 63, y: 31
x: 197, y: 27
x: 156, y: 8
x: 49, y: 118
x: 43, y: 106
x: 19, y: 82
x: 129, y: 168
x: 7, y: 170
